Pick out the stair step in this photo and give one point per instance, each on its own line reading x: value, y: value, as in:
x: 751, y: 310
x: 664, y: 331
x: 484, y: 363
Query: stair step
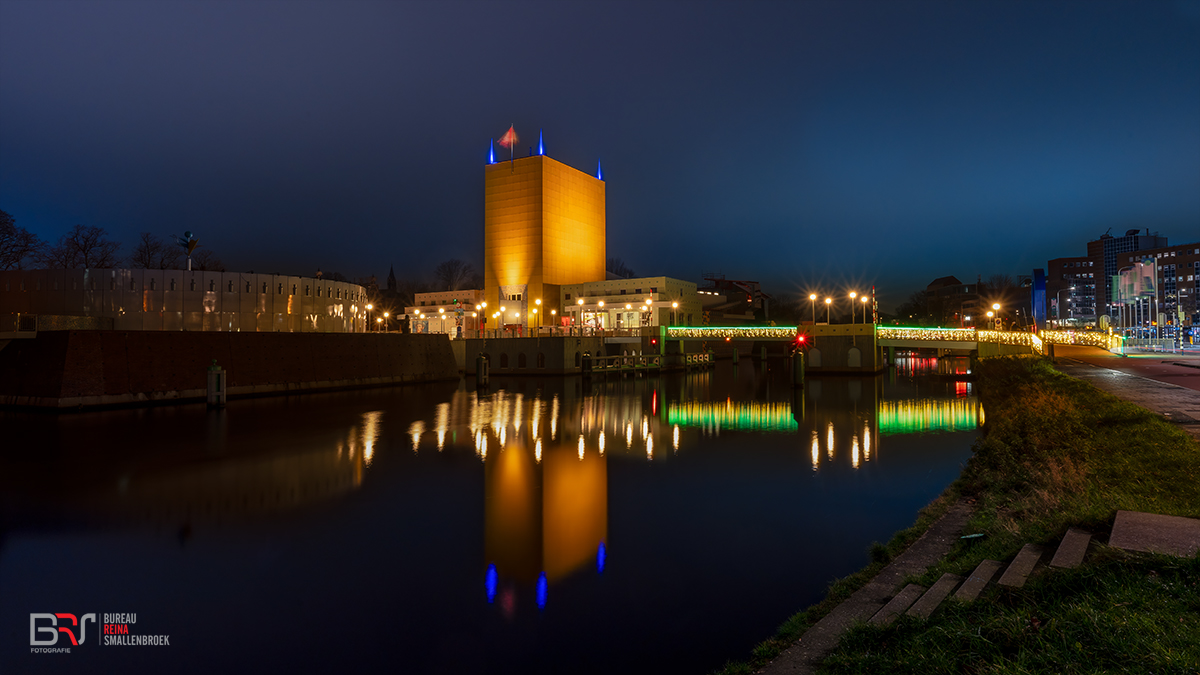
x: 1072, y: 549
x: 1019, y: 569
x: 934, y: 596
x: 903, y: 600
x: 978, y: 580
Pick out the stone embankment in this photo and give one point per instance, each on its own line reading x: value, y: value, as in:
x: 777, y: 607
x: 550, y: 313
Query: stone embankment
x: 82, y: 369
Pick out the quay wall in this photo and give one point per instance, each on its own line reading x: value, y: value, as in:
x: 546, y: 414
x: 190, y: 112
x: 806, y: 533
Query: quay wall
x: 89, y: 368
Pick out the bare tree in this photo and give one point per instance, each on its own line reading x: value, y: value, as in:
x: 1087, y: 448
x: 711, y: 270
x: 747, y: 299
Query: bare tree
x: 16, y: 243
x: 82, y: 247
x: 453, y: 274
x: 619, y: 268
x: 207, y: 261
x: 153, y: 253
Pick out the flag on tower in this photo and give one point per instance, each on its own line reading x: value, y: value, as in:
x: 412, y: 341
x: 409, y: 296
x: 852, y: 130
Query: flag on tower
x: 509, y: 139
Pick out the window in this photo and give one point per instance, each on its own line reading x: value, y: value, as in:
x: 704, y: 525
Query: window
x: 172, y: 284
x: 247, y: 286
x: 622, y: 291
x: 422, y: 303
x: 230, y: 285
x: 264, y: 288
x: 212, y: 285
x: 306, y: 290
x: 154, y: 284
x: 638, y: 291
x: 568, y: 296
x: 293, y: 289
x: 281, y: 289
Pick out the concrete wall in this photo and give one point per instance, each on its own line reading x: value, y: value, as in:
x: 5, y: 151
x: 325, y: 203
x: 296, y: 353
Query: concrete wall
x: 557, y: 354
x: 177, y: 300
x: 844, y: 348
x: 68, y: 369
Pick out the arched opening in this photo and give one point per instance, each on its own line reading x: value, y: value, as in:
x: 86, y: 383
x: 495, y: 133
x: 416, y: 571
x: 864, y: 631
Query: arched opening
x: 504, y: 360
x: 854, y: 358
x: 814, y: 358
x: 541, y: 360
x: 521, y: 361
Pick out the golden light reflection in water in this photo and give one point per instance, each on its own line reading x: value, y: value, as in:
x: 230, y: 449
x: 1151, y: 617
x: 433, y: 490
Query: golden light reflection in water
x: 854, y: 451
x: 581, y: 447
x: 816, y: 450
x: 370, y: 434
x: 443, y: 421
x: 602, y: 442
x: 628, y: 435
x: 866, y: 442
x: 675, y: 438
x: 829, y: 439
x: 415, y: 430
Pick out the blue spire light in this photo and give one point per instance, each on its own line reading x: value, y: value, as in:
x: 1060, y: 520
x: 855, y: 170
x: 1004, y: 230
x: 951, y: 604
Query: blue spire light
x: 492, y: 151
x: 541, y: 146
x: 599, y: 171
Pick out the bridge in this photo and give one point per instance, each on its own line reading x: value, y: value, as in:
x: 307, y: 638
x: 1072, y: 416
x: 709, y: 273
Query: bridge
x: 903, y: 337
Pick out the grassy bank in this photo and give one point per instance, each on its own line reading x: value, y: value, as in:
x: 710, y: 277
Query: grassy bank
x: 1055, y: 453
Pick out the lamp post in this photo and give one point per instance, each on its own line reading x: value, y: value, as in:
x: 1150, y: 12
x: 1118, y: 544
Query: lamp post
x: 863, y: 300
x: 852, y: 296
x: 537, y: 302
x: 369, y: 308
x: 996, y: 308
x: 828, y: 302
x: 674, y: 319
x: 600, y: 304
x: 1059, y: 296
x: 812, y: 300
x: 442, y: 314
x: 385, y: 318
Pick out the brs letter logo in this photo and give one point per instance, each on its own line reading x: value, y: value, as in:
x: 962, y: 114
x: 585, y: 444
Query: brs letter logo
x: 35, y: 629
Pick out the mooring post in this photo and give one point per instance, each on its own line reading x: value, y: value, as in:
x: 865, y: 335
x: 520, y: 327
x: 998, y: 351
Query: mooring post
x: 482, y: 368
x: 798, y: 369
x: 216, y: 386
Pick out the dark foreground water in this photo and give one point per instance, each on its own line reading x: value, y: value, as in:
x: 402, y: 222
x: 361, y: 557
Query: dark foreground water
x: 541, y: 526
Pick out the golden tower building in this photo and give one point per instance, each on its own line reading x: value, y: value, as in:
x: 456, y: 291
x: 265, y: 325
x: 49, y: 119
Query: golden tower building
x: 543, y: 227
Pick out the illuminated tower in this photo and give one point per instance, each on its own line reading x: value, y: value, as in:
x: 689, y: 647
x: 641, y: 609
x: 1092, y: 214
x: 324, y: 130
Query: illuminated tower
x: 543, y: 226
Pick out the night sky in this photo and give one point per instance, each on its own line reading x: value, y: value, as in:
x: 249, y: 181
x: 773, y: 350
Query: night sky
x: 803, y: 144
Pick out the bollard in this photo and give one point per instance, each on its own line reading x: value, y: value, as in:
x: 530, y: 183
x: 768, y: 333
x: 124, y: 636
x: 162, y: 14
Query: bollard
x: 216, y: 386
x: 735, y: 355
x: 798, y: 369
x: 482, y: 368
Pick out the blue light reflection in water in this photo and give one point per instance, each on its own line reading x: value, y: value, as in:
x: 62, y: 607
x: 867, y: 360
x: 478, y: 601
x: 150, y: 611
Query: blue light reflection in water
x: 541, y: 591
x: 601, y: 558
x: 490, y: 580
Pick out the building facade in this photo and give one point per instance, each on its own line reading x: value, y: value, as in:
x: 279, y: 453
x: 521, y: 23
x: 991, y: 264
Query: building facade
x: 544, y: 228
x: 179, y: 300
x: 629, y: 303
x: 1071, y: 290
x: 446, y: 311
x: 1178, y: 280
x: 1105, y: 253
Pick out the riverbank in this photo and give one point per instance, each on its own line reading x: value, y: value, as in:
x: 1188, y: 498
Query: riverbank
x: 1056, y: 452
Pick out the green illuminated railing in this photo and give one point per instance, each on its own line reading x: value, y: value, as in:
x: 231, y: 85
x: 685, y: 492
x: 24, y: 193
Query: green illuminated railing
x: 895, y: 417
x: 734, y: 332
x: 730, y: 415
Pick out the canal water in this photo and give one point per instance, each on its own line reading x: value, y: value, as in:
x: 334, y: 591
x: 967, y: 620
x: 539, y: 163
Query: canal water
x: 541, y: 525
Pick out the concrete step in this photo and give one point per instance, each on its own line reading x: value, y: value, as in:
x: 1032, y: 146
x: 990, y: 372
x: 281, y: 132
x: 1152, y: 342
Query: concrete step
x: 903, y: 600
x: 1072, y: 549
x: 1153, y: 533
x: 978, y: 580
x: 934, y: 596
x: 1018, y: 570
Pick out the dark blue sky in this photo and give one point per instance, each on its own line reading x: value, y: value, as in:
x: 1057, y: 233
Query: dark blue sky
x: 804, y: 143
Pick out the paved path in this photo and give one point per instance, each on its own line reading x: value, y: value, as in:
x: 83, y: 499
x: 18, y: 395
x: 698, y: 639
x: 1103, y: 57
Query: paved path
x: 1155, y: 383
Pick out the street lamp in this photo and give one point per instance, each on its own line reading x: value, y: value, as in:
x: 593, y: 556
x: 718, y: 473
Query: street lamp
x: 537, y: 302
x: 828, y: 302
x: 1059, y: 296
x: 369, y: 308
x: 442, y: 314
x: 996, y: 308
x: 580, y: 313
x: 863, y: 299
x: 852, y: 296
x: 674, y: 319
x: 812, y: 300
x: 385, y: 318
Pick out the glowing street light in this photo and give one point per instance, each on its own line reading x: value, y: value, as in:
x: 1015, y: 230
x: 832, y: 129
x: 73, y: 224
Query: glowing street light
x: 812, y: 300
x: 828, y: 302
x: 863, y: 299
x: 674, y: 318
x: 852, y: 296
